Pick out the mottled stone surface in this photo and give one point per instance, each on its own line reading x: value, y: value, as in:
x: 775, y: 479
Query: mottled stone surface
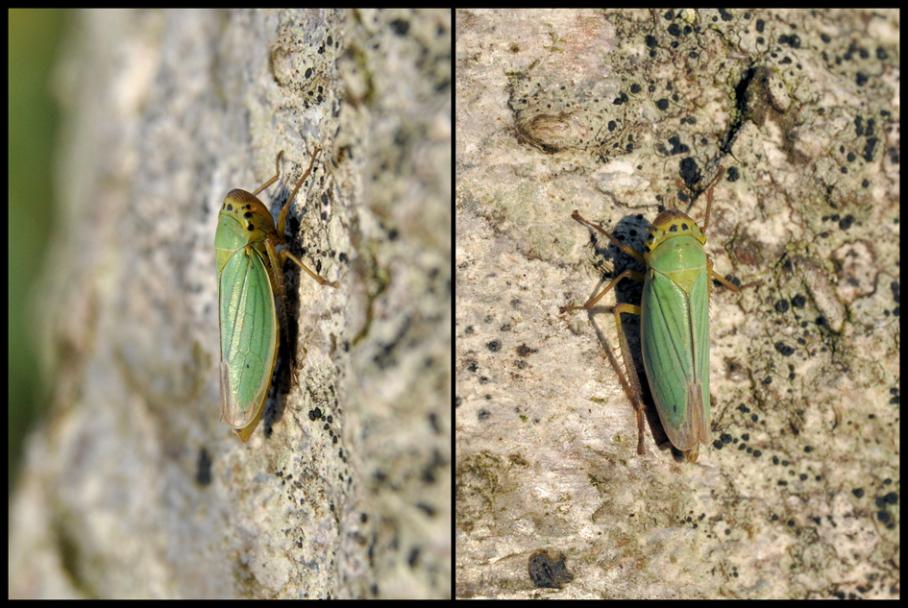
x: 616, y: 113
x: 133, y: 488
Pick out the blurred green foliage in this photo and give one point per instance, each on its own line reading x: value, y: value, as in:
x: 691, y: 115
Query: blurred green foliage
x: 34, y: 37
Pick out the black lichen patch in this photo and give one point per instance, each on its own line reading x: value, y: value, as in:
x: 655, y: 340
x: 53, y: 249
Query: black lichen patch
x: 400, y: 27
x: 387, y: 356
x: 426, y: 508
x: 742, y: 103
x: 524, y: 351
x: 785, y: 349
x: 548, y: 570
x: 430, y: 470
x: 203, y: 468
x: 677, y: 147
x: 413, y: 557
x: 434, y: 423
x: 690, y: 171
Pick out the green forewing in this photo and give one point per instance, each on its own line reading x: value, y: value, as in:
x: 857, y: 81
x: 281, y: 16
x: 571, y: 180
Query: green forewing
x: 248, y: 321
x: 675, y: 344
x: 229, y: 238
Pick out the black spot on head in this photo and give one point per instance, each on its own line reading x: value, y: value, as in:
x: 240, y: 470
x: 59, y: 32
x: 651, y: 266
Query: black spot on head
x: 228, y: 206
x: 248, y: 206
x: 684, y: 226
x: 673, y: 228
x: 250, y: 227
x: 248, y: 215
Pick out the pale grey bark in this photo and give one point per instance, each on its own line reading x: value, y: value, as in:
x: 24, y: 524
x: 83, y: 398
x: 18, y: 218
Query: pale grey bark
x: 132, y: 487
x: 596, y: 111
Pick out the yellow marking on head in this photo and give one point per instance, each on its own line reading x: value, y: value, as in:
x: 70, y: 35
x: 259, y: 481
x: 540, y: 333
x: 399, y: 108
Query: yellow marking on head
x: 671, y: 223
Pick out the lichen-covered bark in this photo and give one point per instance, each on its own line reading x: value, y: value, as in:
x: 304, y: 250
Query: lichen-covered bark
x: 615, y: 114
x: 133, y: 488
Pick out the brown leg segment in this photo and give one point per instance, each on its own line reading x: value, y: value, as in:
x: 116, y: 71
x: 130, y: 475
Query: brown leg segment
x: 277, y: 172
x: 709, y: 197
x: 286, y: 255
x: 278, y: 257
x: 624, y: 248
x: 282, y: 216
x: 631, y: 384
x: 627, y: 274
x: 715, y: 275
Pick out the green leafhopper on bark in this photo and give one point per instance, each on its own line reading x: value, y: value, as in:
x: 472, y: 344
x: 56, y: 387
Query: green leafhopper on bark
x: 674, y: 325
x: 249, y: 280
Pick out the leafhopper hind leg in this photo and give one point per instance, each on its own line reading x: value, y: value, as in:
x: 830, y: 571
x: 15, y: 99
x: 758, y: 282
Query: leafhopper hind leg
x: 276, y: 259
x: 631, y: 384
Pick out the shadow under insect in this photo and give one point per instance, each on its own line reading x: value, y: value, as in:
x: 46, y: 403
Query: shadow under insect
x: 287, y: 312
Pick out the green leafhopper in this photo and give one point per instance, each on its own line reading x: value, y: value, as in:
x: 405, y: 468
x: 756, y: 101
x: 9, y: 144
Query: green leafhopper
x: 674, y: 325
x: 249, y: 280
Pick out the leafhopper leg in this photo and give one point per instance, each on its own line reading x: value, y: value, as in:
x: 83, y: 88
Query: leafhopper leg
x: 282, y: 216
x: 631, y: 383
x: 716, y: 276
x: 322, y: 281
x: 627, y: 274
x: 709, y: 197
x: 624, y: 248
x: 277, y: 172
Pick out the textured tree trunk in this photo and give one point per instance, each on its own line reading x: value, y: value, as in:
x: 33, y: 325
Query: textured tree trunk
x: 615, y: 113
x: 133, y: 487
